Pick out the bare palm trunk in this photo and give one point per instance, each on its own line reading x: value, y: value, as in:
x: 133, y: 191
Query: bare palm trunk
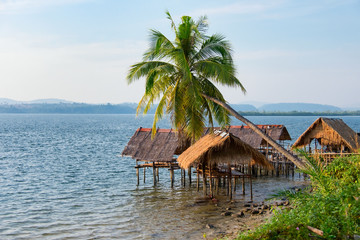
x: 297, y: 161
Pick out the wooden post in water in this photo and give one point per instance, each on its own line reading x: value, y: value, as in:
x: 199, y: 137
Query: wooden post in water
x: 243, y: 184
x: 197, y: 178
x: 210, y: 182
x: 172, y: 176
x: 144, y: 174
x: 154, y: 173
x: 157, y: 174
x: 189, y: 174
x: 251, y: 193
x: 137, y: 174
x: 204, y: 179
x: 230, y: 185
x: 234, y: 184
x: 184, y: 177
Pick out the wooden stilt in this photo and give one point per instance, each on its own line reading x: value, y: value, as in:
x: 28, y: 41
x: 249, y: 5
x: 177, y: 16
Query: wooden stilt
x: 243, y: 185
x: 210, y: 182
x: 230, y: 185
x: 234, y: 184
x: 251, y: 193
x: 189, y: 174
x: 137, y: 175
x: 172, y: 177
x: 154, y: 174
x: 184, y: 177
x: 157, y: 174
x: 144, y: 174
x: 204, y: 180
x: 197, y: 179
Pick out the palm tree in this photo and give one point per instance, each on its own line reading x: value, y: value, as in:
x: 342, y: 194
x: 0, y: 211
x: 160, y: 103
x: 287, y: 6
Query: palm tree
x: 179, y: 73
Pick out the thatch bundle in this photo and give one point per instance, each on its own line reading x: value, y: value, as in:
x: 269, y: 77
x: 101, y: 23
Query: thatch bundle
x: 330, y: 132
x: 221, y: 147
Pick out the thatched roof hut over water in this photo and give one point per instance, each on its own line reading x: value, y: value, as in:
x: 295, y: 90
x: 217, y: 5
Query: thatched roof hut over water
x: 246, y: 134
x: 221, y: 147
x: 330, y: 132
x: 161, y: 148
x: 165, y: 144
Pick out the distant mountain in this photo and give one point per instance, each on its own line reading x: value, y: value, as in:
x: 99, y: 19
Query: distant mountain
x: 243, y: 107
x: 49, y: 101
x: 37, y: 101
x: 63, y: 106
x: 67, y: 108
x: 299, y: 107
x: 8, y: 101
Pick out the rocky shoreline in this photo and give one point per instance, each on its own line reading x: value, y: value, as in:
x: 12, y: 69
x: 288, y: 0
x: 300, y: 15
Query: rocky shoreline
x: 239, y: 217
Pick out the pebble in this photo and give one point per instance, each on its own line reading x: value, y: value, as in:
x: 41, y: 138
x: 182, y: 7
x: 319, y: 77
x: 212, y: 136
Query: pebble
x: 255, y: 211
x: 226, y: 214
x: 209, y: 226
x: 241, y: 214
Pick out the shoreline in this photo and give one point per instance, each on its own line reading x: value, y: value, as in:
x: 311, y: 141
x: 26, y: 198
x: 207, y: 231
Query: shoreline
x: 239, y: 217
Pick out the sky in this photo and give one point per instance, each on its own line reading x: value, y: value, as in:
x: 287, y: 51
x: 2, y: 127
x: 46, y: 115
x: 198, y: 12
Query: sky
x: 81, y: 50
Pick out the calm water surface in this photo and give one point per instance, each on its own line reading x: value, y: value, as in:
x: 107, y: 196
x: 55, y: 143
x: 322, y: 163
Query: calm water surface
x: 62, y: 177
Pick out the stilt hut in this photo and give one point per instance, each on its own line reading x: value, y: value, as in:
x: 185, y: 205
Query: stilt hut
x: 216, y: 156
x: 277, y: 132
x: 157, y: 152
x: 329, y: 137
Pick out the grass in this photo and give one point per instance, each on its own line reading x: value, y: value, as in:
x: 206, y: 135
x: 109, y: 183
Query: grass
x: 331, y: 204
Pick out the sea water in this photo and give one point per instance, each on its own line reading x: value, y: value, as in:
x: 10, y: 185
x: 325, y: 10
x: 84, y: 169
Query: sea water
x: 63, y: 177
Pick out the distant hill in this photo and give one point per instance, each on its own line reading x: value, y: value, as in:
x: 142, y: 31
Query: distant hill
x: 299, y: 107
x: 42, y: 101
x: 68, y: 107
x: 243, y: 107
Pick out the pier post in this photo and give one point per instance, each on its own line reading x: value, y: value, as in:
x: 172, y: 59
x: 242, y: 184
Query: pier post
x: 144, y: 174
x: 154, y: 173
x: 251, y: 193
x: 230, y: 185
x: 204, y: 179
x: 189, y: 174
x: 172, y: 176
x: 210, y: 182
x: 197, y: 179
x: 243, y: 184
x: 137, y: 175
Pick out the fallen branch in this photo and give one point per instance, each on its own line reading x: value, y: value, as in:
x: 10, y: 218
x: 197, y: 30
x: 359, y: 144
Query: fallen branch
x: 316, y: 231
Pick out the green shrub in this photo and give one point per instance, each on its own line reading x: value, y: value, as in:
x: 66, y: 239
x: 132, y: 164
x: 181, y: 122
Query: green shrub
x: 330, y: 204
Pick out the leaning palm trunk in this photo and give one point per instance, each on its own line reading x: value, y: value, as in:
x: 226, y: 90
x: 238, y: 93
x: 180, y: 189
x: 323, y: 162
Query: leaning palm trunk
x: 298, y: 162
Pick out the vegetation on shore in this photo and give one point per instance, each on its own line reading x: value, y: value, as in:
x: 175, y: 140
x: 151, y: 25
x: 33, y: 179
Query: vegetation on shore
x: 329, y: 209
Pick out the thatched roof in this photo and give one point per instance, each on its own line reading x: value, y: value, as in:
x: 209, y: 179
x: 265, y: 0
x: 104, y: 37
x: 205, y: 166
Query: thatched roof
x: 159, y: 149
x: 166, y: 144
x: 221, y: 147
x: 330, y: 132
x: 276, y: 132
